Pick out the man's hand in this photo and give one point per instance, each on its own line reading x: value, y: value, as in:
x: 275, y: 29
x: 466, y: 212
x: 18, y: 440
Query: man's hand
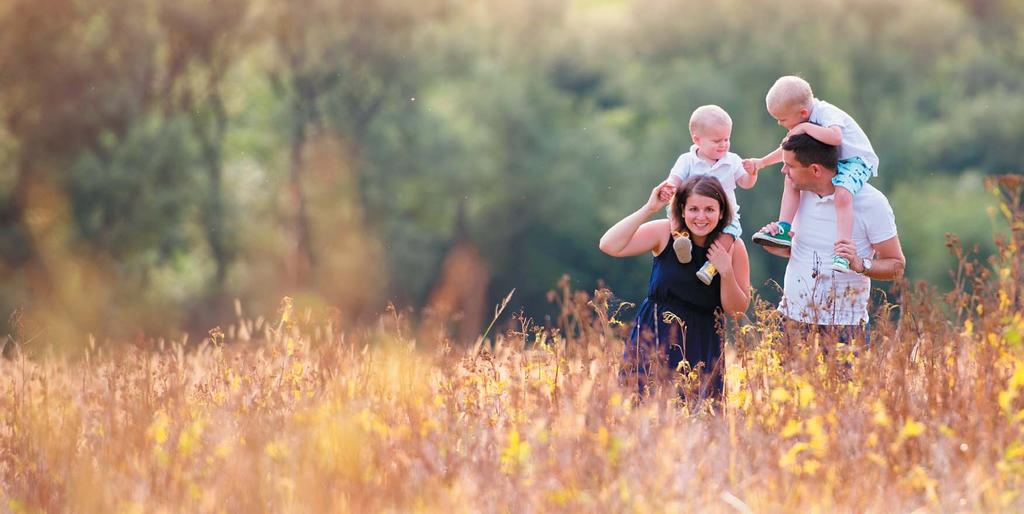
x: 774, y: 228
x: 846, y: 249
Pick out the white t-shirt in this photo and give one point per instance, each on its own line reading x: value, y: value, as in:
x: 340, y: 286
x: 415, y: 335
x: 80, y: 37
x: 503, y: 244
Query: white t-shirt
x: 812, y: 292
x: 855, y: 141
x: 727, y: 170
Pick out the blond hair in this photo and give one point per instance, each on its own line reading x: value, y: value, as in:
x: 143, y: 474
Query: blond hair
x: 707, y: 116
x: 789, y: 92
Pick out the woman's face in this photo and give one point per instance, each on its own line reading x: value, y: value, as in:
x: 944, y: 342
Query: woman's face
x: 701, y: 214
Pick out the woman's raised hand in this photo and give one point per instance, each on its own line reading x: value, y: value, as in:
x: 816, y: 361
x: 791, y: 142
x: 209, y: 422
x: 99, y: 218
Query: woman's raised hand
x: 721, y: 257
x: 660, y: 196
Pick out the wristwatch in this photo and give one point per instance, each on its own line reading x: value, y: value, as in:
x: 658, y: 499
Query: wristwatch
x: 866, y: 264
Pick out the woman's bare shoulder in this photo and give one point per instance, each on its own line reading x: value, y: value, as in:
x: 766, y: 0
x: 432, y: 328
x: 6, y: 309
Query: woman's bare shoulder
x: 663, y: 229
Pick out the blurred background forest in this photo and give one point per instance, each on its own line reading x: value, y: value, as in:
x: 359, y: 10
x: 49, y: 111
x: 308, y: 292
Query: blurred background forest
x: 159, y: 159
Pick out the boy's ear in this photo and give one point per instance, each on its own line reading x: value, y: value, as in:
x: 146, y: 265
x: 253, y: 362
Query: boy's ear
x: 804, y: 113
x: 694, y: 138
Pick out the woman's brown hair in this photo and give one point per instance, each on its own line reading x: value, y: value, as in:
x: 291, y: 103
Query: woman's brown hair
x: 703, y: 185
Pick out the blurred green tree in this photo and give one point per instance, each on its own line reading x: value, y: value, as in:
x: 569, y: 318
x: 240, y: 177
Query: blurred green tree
x: 350, y: 152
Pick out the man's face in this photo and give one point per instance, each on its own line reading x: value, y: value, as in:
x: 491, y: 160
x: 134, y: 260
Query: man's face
x: 802, y: 176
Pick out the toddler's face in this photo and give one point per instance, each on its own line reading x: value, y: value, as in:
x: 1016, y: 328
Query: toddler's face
x: 713, y: 142
x: 788, y: 117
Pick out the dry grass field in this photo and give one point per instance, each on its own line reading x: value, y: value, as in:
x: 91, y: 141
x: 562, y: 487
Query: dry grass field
x: 294, y: 415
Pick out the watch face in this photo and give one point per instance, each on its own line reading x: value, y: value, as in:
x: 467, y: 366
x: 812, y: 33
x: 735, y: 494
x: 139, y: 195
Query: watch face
x: 867, y: 264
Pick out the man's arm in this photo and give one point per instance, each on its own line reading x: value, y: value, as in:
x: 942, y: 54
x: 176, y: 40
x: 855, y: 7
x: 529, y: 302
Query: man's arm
x: 887, y: 264
x: 776, y: 250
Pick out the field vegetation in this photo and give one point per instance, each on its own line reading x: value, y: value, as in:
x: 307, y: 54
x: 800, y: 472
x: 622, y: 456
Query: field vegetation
x: 291, y: 414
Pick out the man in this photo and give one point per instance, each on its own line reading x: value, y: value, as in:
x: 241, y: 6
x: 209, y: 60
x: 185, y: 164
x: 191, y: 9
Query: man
x: 814, y: 296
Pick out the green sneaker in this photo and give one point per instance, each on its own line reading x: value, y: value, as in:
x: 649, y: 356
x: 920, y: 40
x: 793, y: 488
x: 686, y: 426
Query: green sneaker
x: 781, y: 240
x: 840, y: 264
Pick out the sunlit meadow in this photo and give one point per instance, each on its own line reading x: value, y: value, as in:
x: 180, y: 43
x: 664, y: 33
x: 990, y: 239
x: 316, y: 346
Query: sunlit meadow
x: 289, y: 414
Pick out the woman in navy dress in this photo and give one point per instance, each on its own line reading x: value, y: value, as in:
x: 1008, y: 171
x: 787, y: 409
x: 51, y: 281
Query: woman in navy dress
x: 680, y: 318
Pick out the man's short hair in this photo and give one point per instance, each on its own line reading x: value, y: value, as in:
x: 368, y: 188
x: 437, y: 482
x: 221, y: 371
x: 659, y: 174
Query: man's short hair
x: 810, y: 151
x: 789, y: 92
x: 707, y: 116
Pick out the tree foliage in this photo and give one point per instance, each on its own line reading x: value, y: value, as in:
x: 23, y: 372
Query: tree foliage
x: 192, y: 152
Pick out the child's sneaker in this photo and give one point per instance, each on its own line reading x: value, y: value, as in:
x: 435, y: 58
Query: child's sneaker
x: 707, y: 273
x: 683, y: 247
x: 840, y: 264
x: 781, y: 240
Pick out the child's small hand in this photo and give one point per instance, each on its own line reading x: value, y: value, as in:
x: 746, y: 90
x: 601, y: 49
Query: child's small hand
x: 797, y: 130
x: 659, y: 197
x: 665, y: 191
x: 751, y: 166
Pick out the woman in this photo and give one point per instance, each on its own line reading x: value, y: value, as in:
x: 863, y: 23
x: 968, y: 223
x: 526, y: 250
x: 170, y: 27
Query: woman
x: 700, y: 208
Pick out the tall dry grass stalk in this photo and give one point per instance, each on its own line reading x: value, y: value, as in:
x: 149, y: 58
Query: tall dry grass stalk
x: 293, y: 416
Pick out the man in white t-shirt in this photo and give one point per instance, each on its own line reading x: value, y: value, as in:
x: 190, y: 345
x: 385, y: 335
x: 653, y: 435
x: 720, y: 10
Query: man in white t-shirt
x: 814, y: 296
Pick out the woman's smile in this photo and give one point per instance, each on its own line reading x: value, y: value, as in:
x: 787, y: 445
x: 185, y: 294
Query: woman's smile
x: 701, y: 214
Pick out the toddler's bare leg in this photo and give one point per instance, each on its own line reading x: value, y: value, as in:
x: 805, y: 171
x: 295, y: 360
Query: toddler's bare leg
x: 790, y: 202
x: 844, y: 214
x: 844, y: 225
x: 727, y: 241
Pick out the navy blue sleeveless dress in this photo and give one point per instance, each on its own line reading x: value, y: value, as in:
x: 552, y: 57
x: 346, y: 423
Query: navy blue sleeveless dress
x: 653, y: 340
